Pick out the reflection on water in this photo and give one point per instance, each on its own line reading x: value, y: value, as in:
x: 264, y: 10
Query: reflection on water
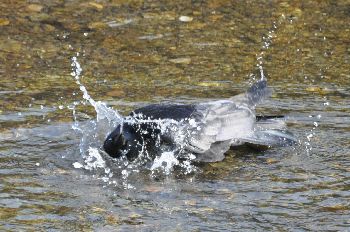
x: 134, y: 53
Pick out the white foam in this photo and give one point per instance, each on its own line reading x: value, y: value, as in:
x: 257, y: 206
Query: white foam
x: 94, y: 159
x: 166, y: 161
x: 77, y: 165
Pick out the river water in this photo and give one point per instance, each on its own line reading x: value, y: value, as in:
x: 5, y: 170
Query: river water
x: 53, y: 177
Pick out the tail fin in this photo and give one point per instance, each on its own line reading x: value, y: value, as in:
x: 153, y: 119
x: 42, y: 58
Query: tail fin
x: 258, y: 92
x: 271, y: 132
x: 255, y: 94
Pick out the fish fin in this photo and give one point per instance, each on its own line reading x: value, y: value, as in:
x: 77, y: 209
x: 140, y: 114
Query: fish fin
x: 271, y: 132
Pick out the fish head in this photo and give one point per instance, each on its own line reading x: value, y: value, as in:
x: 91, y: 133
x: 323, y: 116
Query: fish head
x: 123, y: 141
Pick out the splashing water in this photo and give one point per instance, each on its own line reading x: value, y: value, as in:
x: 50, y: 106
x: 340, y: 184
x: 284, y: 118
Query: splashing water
x: 95, y: 131
x: 101, y: 109
x: 267, y: 42
x: 108, y: 119
x: 167, y: 160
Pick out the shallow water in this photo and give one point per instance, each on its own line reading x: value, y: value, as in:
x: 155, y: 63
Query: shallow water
x: 133, y: 53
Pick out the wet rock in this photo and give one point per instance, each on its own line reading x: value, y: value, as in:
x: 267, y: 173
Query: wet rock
x: 39, y: 17
x: 95, y: 218
x: 271, y: 161
x: 297, y: 12
x: 197, y: 13
x: 7, y: 213
x: 4, y: 22
x: 95, y: 5
x: 167, y: 15
x: 52, y: 24
x: 48, y: 27
x: 72, y: 26
x: 184, y: 60
x: 96, y: 209
x: 185, y: 18
x: 97, y: 25
x: 10, y: 45
x: 209, y: 84
x: 335, y: 208
x: 35, y: 7
x: 133, y: 219
x: 196, y: 25
x: 113, y: 220
x: 215, y: 17
x: 61, y: 171
x: 191, y: 202
x: 316, y: 89
x: 284, y: 4
x: 135, y: 216
x: 207, y: 209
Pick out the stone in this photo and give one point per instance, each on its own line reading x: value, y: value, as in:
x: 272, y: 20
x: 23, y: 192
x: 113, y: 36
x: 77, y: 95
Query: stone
x: 185, y: 18
x: 35, y: 7
x: 183, y: 60
x: 4, y: 22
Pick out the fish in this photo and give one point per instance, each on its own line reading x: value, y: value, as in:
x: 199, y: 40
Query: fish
x: 205, y: 130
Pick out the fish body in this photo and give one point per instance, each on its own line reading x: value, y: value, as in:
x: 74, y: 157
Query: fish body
x: 206, y: 129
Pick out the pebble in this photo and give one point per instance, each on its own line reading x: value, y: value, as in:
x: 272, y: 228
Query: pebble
x: 191, y: 202
x: 95, y: 5
x: 35, y: 7
x: 135, y: 216
x: 185, y: 18
x: 9, y: 45
x: 97, y: 25
x: 183, y: 60
x: 4, y: 22
x: 271, y: 161
x: 39, y: 17
x: 209, y: 84
x: 96, y: 209
x: 48, y: 27
x: 112, y: 219
x: 316, y: 89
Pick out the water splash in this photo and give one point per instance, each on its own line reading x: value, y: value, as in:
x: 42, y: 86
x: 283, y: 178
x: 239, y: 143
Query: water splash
x: 94, y: 132
x: 108, y: 118
x: 101, y: 109
x: 166, y: 161
x: 266, y: 44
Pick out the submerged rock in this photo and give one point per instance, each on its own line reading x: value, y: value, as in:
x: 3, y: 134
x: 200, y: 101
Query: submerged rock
x: 183, y: 60
x: 185, y: 18
x: 4, y: 22
x: 35, y: 7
